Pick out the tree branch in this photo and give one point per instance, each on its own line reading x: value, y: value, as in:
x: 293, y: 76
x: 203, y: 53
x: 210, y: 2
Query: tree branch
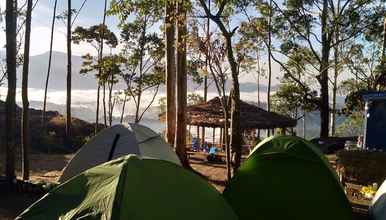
x: 151, y: 102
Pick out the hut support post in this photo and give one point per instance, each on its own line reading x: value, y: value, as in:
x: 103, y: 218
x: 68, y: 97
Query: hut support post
x: 198, y: 135
x: 221, y: 138
x: 214, y: 137
x: 202, y: 136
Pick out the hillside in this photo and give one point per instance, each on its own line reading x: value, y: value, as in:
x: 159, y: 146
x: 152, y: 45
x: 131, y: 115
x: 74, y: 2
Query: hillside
x: 53, y: 138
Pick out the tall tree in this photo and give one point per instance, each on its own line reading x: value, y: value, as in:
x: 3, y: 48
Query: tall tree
x: 250, y: 50
x: 69, y: 72
x: 219, y: 71
x: 49, y: 64
x: 142, y: 48
x: 235, y: 95
x: 181, y: 84
x: 170, y: 71
x: 102, y: 33
x: 269, y: 49
x: 25, y: 116
x: 94, y: 36
x: 310, y: 26
x: 11, y: 25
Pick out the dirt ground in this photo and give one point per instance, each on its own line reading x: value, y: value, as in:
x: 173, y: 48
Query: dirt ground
x: 48, y: 168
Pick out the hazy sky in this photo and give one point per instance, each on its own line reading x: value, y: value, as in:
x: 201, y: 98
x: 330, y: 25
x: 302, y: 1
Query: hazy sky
x: 41, y: 24
x: 91, y: 14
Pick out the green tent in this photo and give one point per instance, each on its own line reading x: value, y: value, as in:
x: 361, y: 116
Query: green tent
x: 130, y: 188
x: 286, y: 177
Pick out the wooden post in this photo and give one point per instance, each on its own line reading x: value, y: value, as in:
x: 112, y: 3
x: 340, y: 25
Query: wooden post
x: 198, y: 135
x: 202, y: 136
x: 214, y: 136
x: 221, y: 138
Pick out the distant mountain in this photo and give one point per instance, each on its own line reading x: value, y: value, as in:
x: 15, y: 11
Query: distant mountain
x: 39, y: 65
x: 38, y: 72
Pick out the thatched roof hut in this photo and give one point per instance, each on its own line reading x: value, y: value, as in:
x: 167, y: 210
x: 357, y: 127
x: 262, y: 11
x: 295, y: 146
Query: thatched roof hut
x: 210, y: 114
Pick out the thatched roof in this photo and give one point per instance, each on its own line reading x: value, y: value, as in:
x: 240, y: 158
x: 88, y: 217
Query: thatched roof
x: 210, y: 114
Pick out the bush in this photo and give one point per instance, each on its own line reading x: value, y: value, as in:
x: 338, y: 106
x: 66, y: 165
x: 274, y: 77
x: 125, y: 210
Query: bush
x: 363, y: 167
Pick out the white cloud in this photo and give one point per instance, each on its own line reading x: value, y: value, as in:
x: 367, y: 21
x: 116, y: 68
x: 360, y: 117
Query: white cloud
x: 40, y: 41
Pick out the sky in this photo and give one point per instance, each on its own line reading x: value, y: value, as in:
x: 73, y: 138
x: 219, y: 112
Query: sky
x: 91, y: 14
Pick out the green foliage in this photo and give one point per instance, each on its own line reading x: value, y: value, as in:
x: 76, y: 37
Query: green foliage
x: 105, y: 67
x: 124, y: 9
x: 109, y: 66
x: 194, y: 99
x: 93, y: 35
x: 353, y: 125
x: 292, y: 100
x: 162, y: 104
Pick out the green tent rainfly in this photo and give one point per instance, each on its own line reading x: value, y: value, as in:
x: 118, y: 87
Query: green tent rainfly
x: 286, y: 177
x: 133, y: 188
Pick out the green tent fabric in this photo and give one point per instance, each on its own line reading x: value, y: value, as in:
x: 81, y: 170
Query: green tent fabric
x: 130, y: 188
x: 378, y: 204
x: 286, y: 177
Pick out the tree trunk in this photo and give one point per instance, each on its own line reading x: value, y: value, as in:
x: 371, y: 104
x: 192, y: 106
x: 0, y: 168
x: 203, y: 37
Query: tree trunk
x: 111, y: 105
x: 139, y: 96
x: 206, y: 66
x: 11, y: 25
x: 170, y: 72
x: 336, y: 74
x: 226, y: 141
x: 334, y: 90
x: 323, y: 78
x: 49, y: 66
x: 25, y: 116
x: 304, y: 124
x: 69, y: 66
x: 139, y: 84
x: 104, y: 104
x: 97, y: 109
x: 205, y: 99
x: 383, y: 61
x: 258, y: 77
x: 269, y: 48
x: 123, y: 108
x: 235, y: 123
x: 181, y: 81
